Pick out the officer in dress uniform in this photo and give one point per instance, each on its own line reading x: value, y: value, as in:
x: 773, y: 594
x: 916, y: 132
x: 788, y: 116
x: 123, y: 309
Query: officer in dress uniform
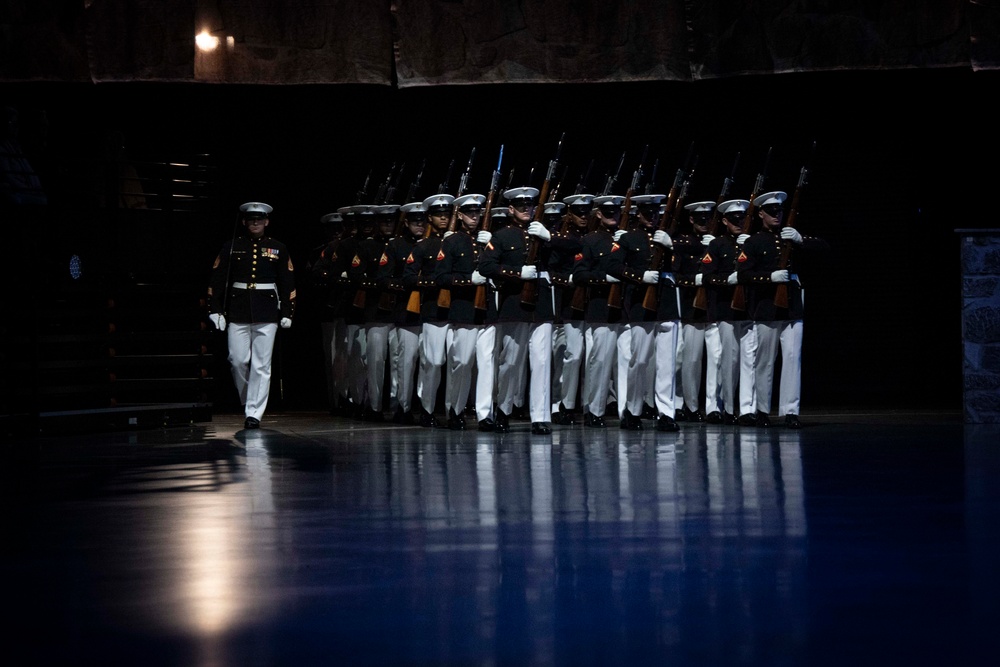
x: 404, y: 337
x: 486, y: 342
x: 418, y: 275
x: 318, y: 272
x: 689, y: 249
x: 456, y: 271
x: 568, y: 303
x: 637, y: 275
x: 357, y: 331
x: 378, y: 321
x: 251, y: 292
x: 759, y: 268
x: 523, y: 330
x: 593, y: 270
x: 726, y: 325
x: 667, y: 332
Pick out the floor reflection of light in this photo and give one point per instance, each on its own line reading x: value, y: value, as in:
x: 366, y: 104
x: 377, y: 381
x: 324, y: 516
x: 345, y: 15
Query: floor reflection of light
x: 212, y: 573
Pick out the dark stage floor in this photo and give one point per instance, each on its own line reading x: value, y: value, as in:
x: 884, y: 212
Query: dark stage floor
x: 863, y: 539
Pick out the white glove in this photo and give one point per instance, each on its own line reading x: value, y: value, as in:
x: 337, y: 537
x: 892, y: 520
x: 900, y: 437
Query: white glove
x: 344, y: 275
x: 779, y: 276
x: 530, y: 272
x: 697, y: 279
x: 732, y: 278
x: 219, y: 320
x: 478, y: 278
x: 538, y: 229
x: 483, y: 237
x: 619, y: 234
x: 650, y: 277
x: 285, y: 322
x: 742, y: 238
x: 447, y: 234
x: 661, y: 237
x: 569, y: 281
x: 610, y: 278
x: 706, y: 239
x: 791, y: 234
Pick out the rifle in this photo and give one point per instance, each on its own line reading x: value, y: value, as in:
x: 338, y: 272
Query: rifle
x: 739, y: 301
x: 480, y: 300
x: 652, y: 179
x: 529, y: 292
x: 390, y: 193
x: 444, y: 295
x: 380, y: 194
x: 554, y: 193
x: 781, y: 292
x: 410, y: 195
x: 615, y: 290
x: 363, y: 192
x: 580, y: 187
x: 651, y: 298
x: 700, y: 295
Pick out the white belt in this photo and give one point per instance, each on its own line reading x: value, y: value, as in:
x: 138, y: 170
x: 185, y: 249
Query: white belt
x: 255, y: 286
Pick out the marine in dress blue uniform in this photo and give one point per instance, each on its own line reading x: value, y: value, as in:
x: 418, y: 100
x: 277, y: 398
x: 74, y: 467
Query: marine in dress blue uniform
x: 251, y: 293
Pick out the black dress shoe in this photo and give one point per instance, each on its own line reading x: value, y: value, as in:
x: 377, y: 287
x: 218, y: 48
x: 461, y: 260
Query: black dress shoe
x: 648, y: 411
x: 541, y: 428
x: 373, y: 415
x: 563, y: 418
x: 792, y: 421
x: 404, y: 418
x: 455, y: 422
x: 427, y: 420
x: 696, y: 416
x: 630, y: 422
x: 502, y: 423
x: 747, y: 420
x: 714, y: 417
x: 681, y: 414
x: 251, y: 422
x: 593, y: 421
x: 486, y: 425
x: 762, y: 420
x: 665, y: 423
x: 729, y: 419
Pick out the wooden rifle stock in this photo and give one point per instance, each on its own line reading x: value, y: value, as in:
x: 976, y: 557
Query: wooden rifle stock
x: 444, y: 294
x: 781, y: 290
x: 701, y: 295
x: 480, y: 299
x: 615, y: 289
x: 529, y: 292
x: 739, y: 301
x: 668, y: 223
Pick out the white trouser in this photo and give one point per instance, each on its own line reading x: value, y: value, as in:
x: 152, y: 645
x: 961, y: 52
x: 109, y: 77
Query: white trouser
x: 640, y: 355
x: 691, y: 353
x: 357, y: 375
x: 404, y: 350
x: 433, y: 346
x: 377, y: 349
x: 461, y: 354
x: 486, y: 370
x: 516, y: 343
x: 250, y: 349
x: 340, y: 359
x: 666, y: 344
x: 729, y: 367
x: 567, y: 360
x: 713, y: 368
x: 599, y: 344
x: 746, y: 334
x: 619, y: 372
x: 789, y: 334
x: 328, y: 330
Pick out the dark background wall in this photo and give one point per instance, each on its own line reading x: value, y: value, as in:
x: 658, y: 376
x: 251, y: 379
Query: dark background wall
x: 903, y: 158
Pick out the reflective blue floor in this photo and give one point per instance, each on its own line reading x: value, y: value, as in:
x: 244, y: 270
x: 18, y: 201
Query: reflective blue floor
x: 859, y: 540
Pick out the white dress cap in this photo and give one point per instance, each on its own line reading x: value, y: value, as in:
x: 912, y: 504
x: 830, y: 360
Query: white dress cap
x: 413, y: 207
x: 521, y: 193
x: 700, y: 206
x: 647, y: 200
x: 470, y: 200
x: 332, y: 217
x: 553, y: 207
x: 614, y: 200
x: 776, y: 197
x: 734, y: 205
x: 579, y: 200
x: 256, y: 207
x: 438, y: 201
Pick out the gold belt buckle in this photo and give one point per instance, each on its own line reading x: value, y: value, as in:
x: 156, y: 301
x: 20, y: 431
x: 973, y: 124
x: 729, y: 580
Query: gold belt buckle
x: 251, y: 285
